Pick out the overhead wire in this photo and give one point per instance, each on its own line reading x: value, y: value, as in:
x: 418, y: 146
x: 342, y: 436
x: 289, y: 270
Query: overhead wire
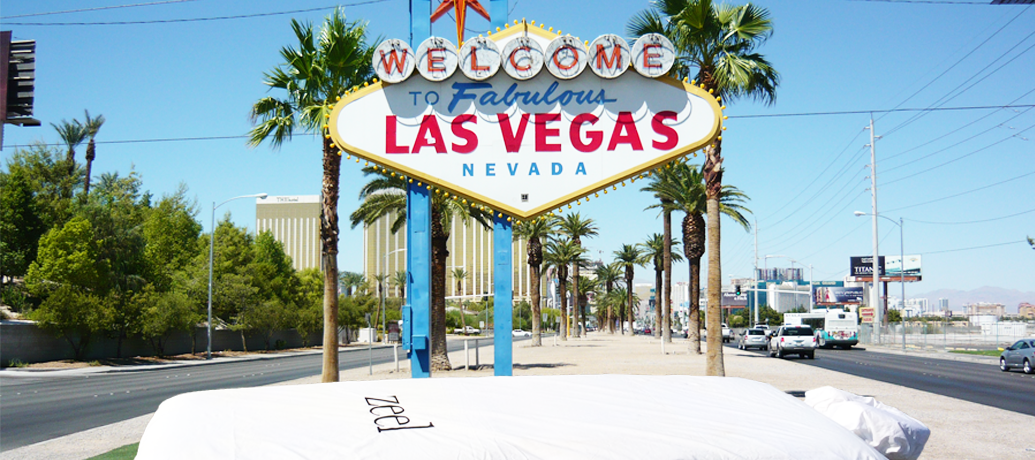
x: 975, y: 247
x: 97, y: 8
x: 967, y: 222
x: 963, y: 193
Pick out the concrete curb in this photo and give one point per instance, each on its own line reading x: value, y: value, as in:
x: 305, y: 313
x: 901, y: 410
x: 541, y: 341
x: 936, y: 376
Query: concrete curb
x: 25, y: 372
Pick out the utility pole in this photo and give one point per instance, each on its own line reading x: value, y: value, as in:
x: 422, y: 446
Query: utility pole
x: 754, y: 288
x: 875, y: 292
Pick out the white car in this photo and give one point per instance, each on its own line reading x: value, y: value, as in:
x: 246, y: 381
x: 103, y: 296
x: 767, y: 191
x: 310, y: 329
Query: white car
x: 727, y: 333
x: 520, y: 333
x: 467, y: 330
x: 793, y: 340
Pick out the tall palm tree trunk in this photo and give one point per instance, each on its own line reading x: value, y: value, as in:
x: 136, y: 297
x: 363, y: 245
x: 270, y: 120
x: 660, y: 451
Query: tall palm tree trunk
x: 713, y: 183
x: 694, y: 330
x: 666, y: 266
x: 629, y: 299
x: 329, y: 241
x: 91, y: 153
x: 537, y: 333
x: 562, y: 276
x: 657, y: 300
x: 575, y: 297
x: 439, y: 252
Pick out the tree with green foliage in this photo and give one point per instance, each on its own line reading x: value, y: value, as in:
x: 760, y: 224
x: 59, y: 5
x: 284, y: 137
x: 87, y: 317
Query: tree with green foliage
x: 163, y: 313
x: 535, y: 232
x: 72, y: 134
x: 628, y: 257
x: 172, y: 233
x: 20, y: 225
x: 399, y: 280
x: 321, y: 67
x: 90, y: 128
x: 654, y: 250
x: 309, y: 318
x: 721, y: 43
x: 350, y: 282
x: 385, y: 195
x: 575, y: 227
x: 561, y: 253
x: 608, y: 275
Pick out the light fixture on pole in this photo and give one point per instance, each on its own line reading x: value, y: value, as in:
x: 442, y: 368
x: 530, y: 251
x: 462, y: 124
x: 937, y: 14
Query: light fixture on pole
x: 211, y: 253
x: 901, y: 267
x: 384, y: 308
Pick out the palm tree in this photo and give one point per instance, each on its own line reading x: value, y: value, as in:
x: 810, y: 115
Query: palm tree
x: 385, y: 195
x: 585, y: 287
x: 534, y: 232
x: 688, y: 196
x: 608, y: 275
x: 575, y: 227
x: 91, y: 126
x: 720, y: 41
x: 381, y: 280
x: 628, y: 257
x: 312, y: 75
x: 654, y: 251
x: 459, y: 275
x: 559, y: 254
x: 658, y: 184
x: 72, y: 133
x: 400, y: 279
x: 350, y: 281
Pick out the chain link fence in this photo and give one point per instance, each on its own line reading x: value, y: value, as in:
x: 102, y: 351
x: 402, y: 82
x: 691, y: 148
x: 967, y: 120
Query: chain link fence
x: 947, y: 336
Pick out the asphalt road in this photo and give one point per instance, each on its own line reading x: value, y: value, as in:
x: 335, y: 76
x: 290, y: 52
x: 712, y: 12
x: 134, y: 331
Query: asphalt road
x: 975, y: 382
x: 40, y: 407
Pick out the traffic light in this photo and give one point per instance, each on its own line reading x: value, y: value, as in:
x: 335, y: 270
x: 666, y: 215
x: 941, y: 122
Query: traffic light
x: 17, y: 81
x: 736, y: 288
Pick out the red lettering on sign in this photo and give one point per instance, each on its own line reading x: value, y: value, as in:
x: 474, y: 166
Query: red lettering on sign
x: 574, y: 58
x: 391, y: 144
x: 671, y: 136
x: 435, y: 59
x: 595, y: 137
x: 465, y: 134
x: 625, y: 133
x: 514, y: 63
x: 429, y: 128
x: 648, y: 56
x: 393, y: 58
x: 542, y: 132
x: 474, y: 60
x: 511, y: 139
x: 615, y: 61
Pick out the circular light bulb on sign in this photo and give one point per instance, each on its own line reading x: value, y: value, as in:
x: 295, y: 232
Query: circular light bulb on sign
x: 609, y: 56
x: 479, y: 58
x: 394, y: 60
x: 522, y: 58
x: 436, y: 59
x: 653, y: 55
x: 566, y: 57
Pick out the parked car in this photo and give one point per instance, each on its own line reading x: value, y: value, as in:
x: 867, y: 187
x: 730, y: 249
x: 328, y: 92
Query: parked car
x: 727, y: 333
x: 1020, y: 354
x: 467, y: 330
x: 753, y: 338
x: 793, y: 340
x: 520, y: 333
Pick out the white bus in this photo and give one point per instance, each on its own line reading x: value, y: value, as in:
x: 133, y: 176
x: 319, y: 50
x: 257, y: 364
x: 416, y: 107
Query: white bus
x: 834, y: 328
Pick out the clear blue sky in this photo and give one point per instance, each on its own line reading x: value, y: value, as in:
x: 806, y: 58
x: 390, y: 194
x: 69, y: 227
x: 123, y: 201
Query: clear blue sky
x: 805, y: 174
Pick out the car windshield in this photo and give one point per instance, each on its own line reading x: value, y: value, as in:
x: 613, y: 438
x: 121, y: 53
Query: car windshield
x: 798, y: 331
x: 756, y: 332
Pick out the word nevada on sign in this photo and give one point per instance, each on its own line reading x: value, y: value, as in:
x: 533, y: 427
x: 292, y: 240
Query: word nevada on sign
x: 526, y: 120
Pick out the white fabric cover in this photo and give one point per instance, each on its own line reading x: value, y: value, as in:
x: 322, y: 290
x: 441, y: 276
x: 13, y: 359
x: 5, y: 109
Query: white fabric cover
x: 533, y: 417
x: 889, y: 430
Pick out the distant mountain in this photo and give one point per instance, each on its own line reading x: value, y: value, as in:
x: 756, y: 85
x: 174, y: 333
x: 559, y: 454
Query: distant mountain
x: 957, y: 298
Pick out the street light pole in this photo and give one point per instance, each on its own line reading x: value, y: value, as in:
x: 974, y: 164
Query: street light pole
x: 901, y: 266
x: 211, y: 254
x: 384, y: 308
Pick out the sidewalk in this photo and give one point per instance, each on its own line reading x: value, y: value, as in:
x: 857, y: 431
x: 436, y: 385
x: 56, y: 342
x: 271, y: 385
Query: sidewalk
x: 959, y: 429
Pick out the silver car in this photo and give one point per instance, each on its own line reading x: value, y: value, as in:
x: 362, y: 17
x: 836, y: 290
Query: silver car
x: 753, y: 338
x: 1020, y: 354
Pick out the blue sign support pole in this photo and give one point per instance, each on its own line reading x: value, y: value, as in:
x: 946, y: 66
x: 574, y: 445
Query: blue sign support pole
x: 503, y: 303
x: 417, y: 313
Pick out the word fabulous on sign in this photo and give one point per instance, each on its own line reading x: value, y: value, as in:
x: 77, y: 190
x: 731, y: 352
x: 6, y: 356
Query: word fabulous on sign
x: 486, y: 122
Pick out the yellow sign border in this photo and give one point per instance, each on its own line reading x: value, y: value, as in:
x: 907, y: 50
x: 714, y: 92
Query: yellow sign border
x: 553, y: 204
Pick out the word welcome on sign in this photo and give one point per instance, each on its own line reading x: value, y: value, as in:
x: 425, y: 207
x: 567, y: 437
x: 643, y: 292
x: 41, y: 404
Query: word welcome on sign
x: 487, y: 124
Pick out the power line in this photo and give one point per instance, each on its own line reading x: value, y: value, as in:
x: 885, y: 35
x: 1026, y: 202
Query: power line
x: 137, y: 141
x: 971, y: 221
x: 931, y: 2
x: 82, y: 10
x: 864, y: 112
x: 213, y: 18
x: 976, y: 247
x: 963, y: 193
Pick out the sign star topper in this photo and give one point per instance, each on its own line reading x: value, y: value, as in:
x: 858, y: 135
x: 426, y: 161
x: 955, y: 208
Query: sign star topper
x: 460, y: 8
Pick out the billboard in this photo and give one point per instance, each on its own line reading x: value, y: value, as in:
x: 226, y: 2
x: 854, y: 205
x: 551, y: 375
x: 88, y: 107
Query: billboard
x: 525, y: 120
x: 863, y: 266
x: 731, y: 299
x: 894, y: 266
x: 837, y: 295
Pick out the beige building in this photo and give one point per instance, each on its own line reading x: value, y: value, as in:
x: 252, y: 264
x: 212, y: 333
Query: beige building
x: 295, y: 223
x: 1026, y: 310
x: 470, y: 247
x: 982, y: 308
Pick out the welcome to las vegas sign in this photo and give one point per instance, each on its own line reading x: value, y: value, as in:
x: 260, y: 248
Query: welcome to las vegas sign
x: 525, y: 120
